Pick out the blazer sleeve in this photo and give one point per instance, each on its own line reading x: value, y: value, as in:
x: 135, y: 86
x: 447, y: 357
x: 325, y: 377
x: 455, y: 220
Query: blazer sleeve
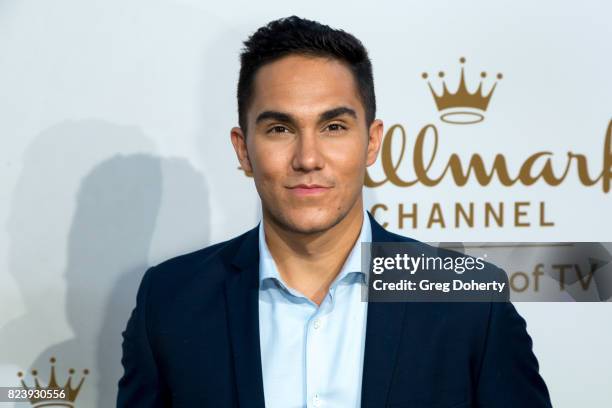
x: 509, y: 375
x: 140, y: 386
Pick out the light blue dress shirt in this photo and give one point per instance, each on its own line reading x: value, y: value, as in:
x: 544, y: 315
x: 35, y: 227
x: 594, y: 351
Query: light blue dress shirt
x: 312, y: 356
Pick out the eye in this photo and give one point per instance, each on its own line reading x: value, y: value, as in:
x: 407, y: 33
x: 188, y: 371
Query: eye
x: 278, y: 129
x: 335, y: 127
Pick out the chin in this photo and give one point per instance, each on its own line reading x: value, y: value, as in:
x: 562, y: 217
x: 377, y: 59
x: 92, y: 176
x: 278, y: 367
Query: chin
x: 311, y: 220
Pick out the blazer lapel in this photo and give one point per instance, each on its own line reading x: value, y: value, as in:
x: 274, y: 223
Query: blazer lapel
x: 243, y: 315
x: 383, y: 329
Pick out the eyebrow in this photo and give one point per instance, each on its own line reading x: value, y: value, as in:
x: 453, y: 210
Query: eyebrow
x: 287, y: 118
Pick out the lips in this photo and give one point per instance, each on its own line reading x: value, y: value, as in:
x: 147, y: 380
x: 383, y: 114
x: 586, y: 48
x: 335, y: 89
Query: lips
x: 308, y: 186
x: 308, y: 189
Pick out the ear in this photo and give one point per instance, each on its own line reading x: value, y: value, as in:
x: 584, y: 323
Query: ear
x: 375, y: 135
x: 240, y: 147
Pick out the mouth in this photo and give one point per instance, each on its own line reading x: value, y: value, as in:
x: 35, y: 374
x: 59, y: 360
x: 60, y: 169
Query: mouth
x: 308, y: 189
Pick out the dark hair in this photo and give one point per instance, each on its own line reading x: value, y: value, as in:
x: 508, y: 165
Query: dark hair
x: 295, y: 35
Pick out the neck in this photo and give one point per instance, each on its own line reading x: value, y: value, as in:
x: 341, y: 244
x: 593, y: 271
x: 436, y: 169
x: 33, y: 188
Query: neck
x: 309, y: 262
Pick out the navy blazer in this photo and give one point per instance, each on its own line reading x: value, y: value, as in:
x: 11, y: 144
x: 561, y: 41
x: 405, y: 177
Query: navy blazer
x: 193, y: 341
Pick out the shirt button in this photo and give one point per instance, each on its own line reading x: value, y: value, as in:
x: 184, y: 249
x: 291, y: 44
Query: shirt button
x: 316, y: 401
x: 317, y: 323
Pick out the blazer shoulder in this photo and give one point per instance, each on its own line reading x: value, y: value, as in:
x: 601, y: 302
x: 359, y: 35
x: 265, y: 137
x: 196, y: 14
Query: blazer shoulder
x: 393, y: 237
x: 212, y: 259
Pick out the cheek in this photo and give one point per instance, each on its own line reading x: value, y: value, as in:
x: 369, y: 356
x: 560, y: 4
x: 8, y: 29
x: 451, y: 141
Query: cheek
x: 269, y: 175
x: 348, y: 164
x: 270, y: 164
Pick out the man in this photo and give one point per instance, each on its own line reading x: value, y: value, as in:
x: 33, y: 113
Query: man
x: 274, y: 317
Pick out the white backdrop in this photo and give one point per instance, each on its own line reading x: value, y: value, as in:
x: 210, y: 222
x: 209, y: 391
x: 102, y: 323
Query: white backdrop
x: 115, y: 155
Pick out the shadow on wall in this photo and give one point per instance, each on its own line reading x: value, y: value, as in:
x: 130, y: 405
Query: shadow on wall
x: 123, y: 203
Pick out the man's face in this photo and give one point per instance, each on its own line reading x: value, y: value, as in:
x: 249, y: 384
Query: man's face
x: 308, y: 145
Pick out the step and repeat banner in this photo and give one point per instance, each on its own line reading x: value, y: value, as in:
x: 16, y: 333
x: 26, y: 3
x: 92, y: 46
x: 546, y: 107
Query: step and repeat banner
x: 116, y: 155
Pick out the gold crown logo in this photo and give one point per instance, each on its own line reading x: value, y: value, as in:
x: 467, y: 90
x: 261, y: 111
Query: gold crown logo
x: 462, y: 107
x: 68, y: 396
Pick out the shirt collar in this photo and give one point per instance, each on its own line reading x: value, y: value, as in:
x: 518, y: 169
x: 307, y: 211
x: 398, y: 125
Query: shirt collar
x: 267, y: 266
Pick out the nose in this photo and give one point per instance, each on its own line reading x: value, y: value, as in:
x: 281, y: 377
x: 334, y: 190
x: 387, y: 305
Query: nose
x: 307, y: 155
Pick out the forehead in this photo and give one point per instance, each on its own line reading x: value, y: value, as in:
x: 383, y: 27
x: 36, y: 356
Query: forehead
x: 304, y: 85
